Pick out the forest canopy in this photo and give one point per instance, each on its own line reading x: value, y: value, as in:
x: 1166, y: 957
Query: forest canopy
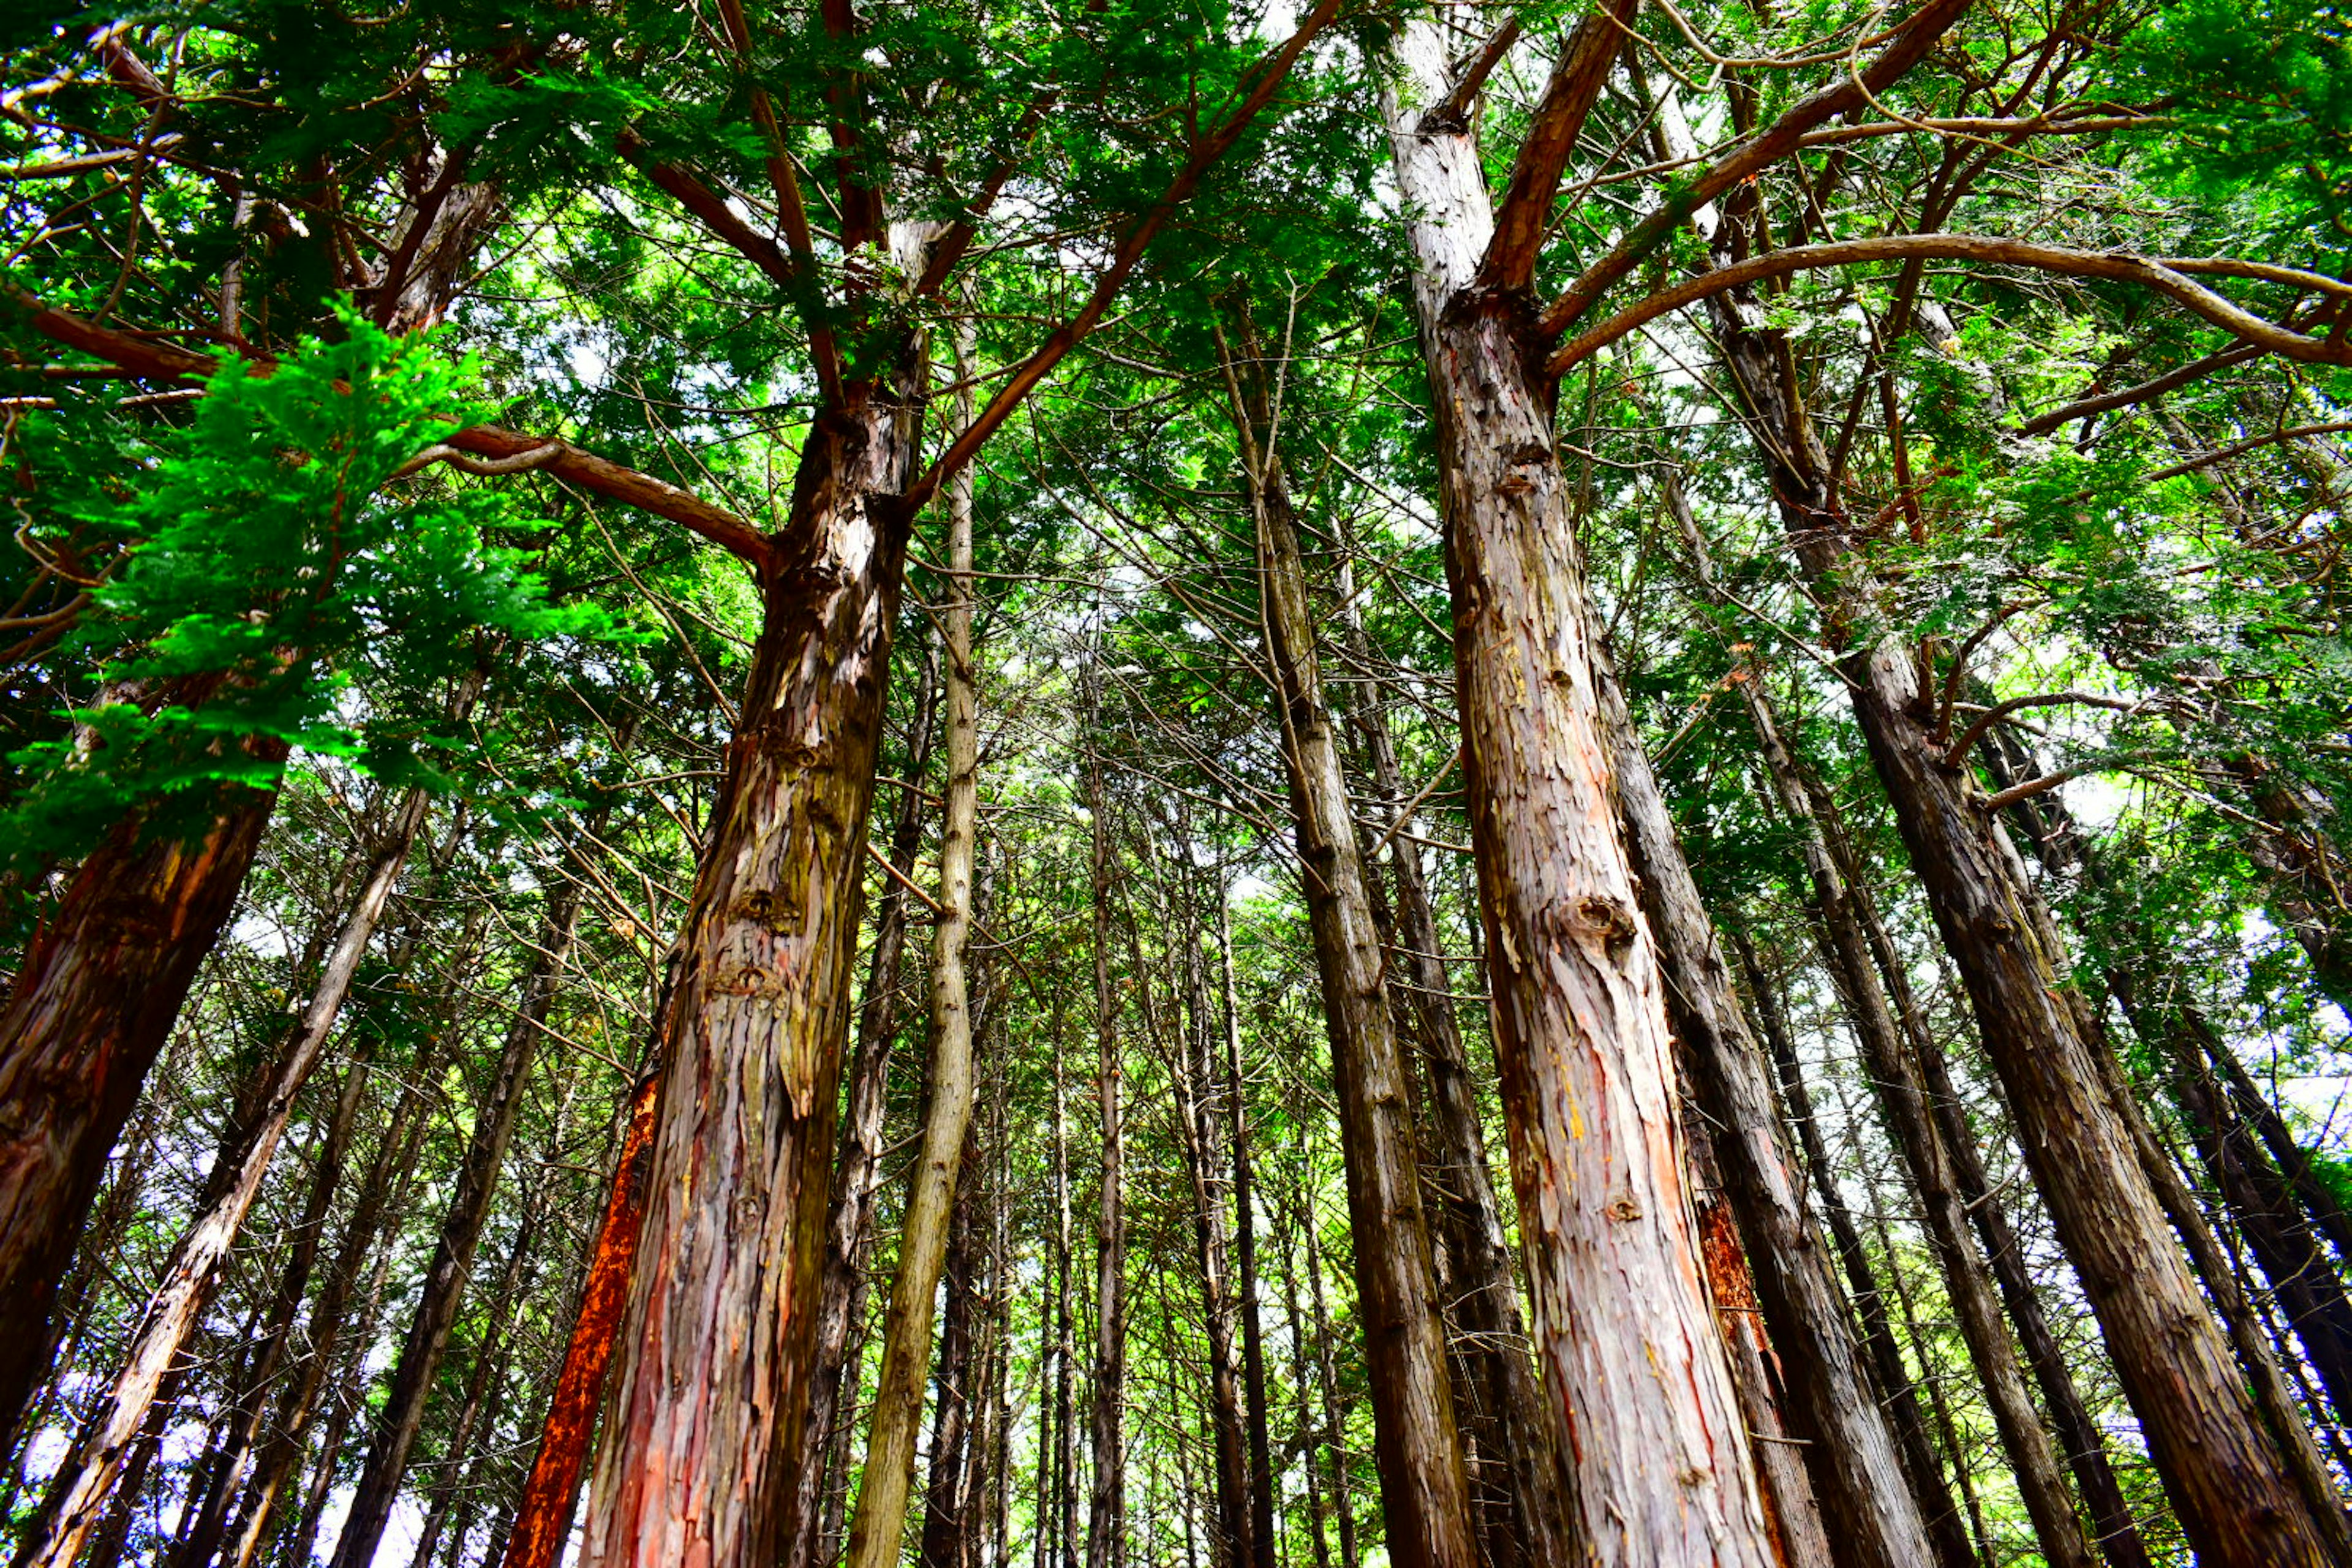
x: 1146, y: 783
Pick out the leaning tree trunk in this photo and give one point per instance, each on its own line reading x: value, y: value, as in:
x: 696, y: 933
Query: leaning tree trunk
x: 1945, y: 1527
x: 542, y: 1520
x: 725, y: 1291
x: 889, y: 1477
x: 1934, y: 1180
x: 849, y: 1220
x: 1423, y: 1488
x: 2234, y: 1493
x: 1635, y: 1369
x: 195, y: 1271
x: 946, y: 1495
x: 1254, y: 1385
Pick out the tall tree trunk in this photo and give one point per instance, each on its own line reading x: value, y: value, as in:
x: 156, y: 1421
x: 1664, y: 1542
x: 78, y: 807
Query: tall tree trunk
x: 542, y: 1520
x: 889, y: 1477
x: 1935, y: 1507
x: 849, y: 1220
x: 225, y: 1476
x: 1254, y: 1394
x: 2235, y: 1492
x: 1198, y: 1133
x: 189, y: 1281
x: 1851, y: 1450
x: 725, y: 1294
x: 1934, y: 1181
x: 960, y: 1378
x: 1106, y: 1503
x: 1423, y: 1489
x: 279, y: 1451
x: 1635, y: 1370
x: 401, y: 1415
x: 1335, y: 1422
x: 489, y: 1359
x: 93, y: 1003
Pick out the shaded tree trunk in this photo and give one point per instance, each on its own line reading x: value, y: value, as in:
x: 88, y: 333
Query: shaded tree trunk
x: 398, y: 1421
x: 1105, y: 1504
x: 1936, y: 1506
x: 542, y: 1518
x: 2235, y: 1492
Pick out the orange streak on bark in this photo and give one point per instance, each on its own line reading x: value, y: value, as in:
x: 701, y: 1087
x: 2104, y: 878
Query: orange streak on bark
x: 543, y: 1516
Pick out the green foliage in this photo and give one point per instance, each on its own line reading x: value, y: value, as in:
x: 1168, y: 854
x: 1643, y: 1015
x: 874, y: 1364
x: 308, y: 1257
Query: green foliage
x: 262, y: 556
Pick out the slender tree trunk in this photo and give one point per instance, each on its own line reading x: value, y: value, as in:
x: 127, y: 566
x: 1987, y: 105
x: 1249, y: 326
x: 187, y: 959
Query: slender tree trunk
x: 751, y: 1036
x: 1635, y: 1371
x: 960, y: 1379
x: 1254, y: 1394
x: 882, y: 1490
x: 543, y: 1519
x: 1935, y: 1507
x: 1934, y: 1182
x: 849, y: 1221
x: 279, y: 1451
x: 1306, y: 1439
x: 1334, y: 1423
x: 189, y: 1281
x: 93, y: 1003
x: 1423, y: 1488
x: 1106, y: 1507
x: 201, y: 1540
x: 1058, y: 1507
x: 1198, y: 1133
x: 401, y: 1415
x: 488, y: 1359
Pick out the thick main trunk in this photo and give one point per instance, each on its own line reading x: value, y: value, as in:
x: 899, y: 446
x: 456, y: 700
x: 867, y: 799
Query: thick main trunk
x: 93, y: 1002
x: 1635, y: 1369
x: 542, y: 1519
x: 725, y: 1290
x: 402, y: 1415
x: 188, y: 1283
x: 1423, y: 1488
x: 849, y: 1221
x: 1851, y: 1448
x: 889, y: 1477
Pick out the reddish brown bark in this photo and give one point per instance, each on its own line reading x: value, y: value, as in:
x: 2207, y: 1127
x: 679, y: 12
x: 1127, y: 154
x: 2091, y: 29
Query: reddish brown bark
x: 93, y: 1003
x: 543, y: 1514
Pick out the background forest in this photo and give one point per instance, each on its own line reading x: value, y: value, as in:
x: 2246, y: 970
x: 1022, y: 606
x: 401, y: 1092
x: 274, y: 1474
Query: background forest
x: 1151, y: 784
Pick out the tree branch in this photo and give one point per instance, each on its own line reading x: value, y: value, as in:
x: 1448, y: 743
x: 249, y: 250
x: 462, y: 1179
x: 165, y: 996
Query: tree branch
x: 1452, y: 112
x: 1523, y: 213
x: 2156, y: 274
x: 1930, y: 22
x: 1025, y: 376
x: 566, y: 461
x: 1999, y: 711
x: 2181, y: 376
